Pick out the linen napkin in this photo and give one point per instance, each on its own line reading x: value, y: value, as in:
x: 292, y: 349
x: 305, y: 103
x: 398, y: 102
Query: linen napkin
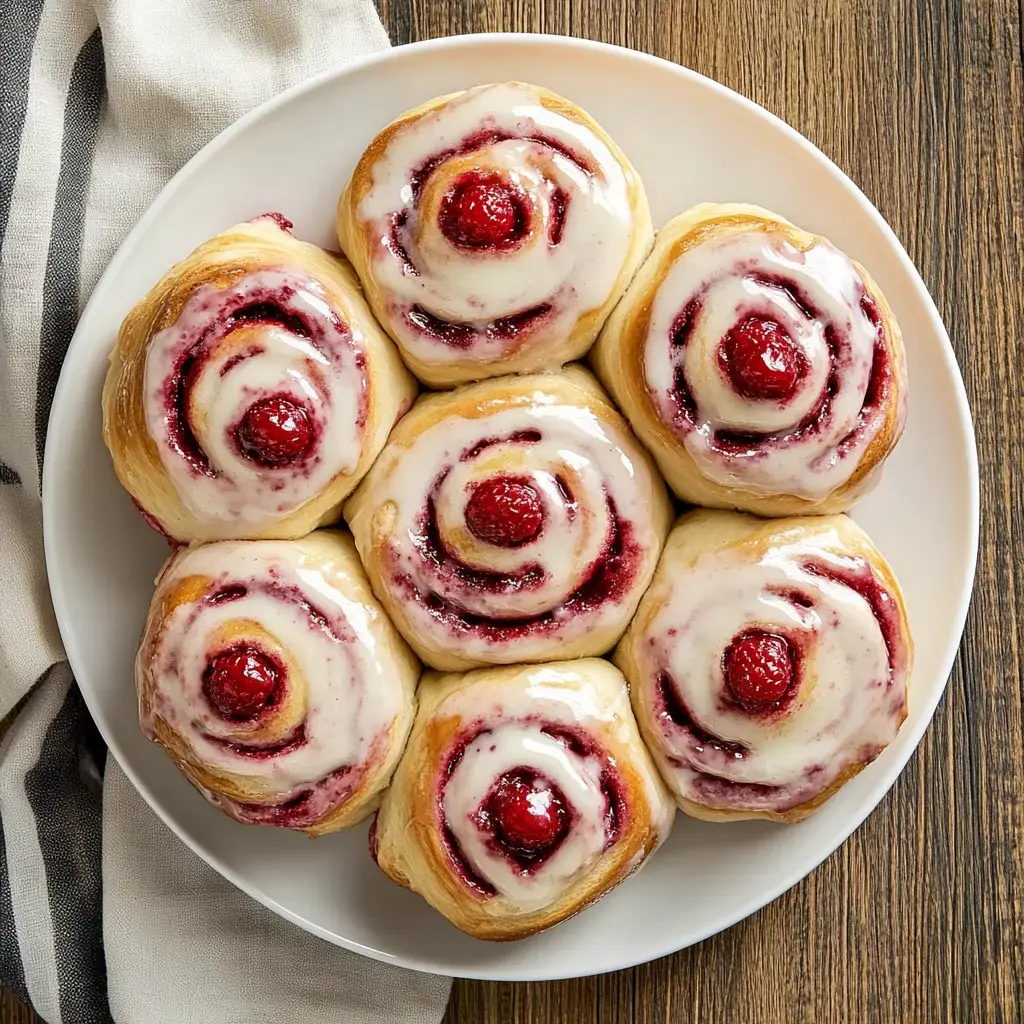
x: 100, y: 102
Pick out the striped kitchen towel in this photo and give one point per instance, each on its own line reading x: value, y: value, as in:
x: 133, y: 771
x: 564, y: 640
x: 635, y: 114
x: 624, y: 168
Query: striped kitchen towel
x: 104, y: 914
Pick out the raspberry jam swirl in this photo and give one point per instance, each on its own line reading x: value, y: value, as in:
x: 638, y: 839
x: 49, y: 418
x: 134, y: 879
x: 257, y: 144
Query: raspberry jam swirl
x: 272, y: 682
x: 530, y: 797
x: 771, y: 674
x: 256, y: 396
x: 770, y: 363
x: 523, y: 525
x: 497, y: 223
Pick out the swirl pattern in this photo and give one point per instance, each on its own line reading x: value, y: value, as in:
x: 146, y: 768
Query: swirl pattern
x: 511, y: 521
x: 251, y: 389
x: 272, y: 678
x: 493, y: 231
x: 770, y: 366
x: 768, y: 662
x: 541, y: 796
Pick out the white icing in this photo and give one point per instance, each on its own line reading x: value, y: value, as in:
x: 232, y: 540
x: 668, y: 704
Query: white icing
x: 476, y: 288
x: 514, y: 716
x: 353, y: 683
x: 848, y: 703
x: 592, y: 458
x: 321, y: 376
x: 716, y: 274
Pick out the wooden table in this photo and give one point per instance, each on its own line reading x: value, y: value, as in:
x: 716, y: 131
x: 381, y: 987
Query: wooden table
x: 919, y: 917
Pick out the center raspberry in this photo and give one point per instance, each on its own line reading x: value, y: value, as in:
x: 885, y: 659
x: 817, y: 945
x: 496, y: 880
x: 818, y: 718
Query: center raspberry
x: 528, y: 811
x: 483, y: 212
x: 504, y: 511
x: 275, y: 431
x: 759, y: 668
x: 761, y: 360
x: 241, y: 681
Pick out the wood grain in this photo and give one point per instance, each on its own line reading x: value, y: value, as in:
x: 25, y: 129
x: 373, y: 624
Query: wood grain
x: 919, y: 917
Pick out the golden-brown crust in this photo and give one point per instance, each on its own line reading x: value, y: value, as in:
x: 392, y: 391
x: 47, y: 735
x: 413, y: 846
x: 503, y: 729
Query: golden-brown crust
x: 618, y: 356
x: 334, y: 554
x: 410, y: 848
x: 372, y: 525
x: 219, y: 262
x: 704, y: 532
x: 359, y: 242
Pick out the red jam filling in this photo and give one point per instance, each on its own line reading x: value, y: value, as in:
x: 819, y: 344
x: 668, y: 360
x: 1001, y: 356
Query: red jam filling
x: 371, y: 839
x: 862, y: 580
x: 702, y: 739
x: 484, y: 211
x: 277, y: 218
x: 333, y: 627
x: 616, y: 814
x: 525, y: 816
x: 241, y: 681
x: 517, y: 437
x: 716, y: 791
x: 761, y: 360
x: 481, y: 140
x: 275, y: 431
x: 759, y: 668
x: 529, y: 812
x: 260, y: 306
x: 763, y: 363
x: 307, y: 807
x: 155, y: 524
x: 559, y: 204
x: 505, y: 511
x: 682, y: 326
x: 238, y: 676
x: 463, y: 335
x: 609, y: 579
x: 263, y: 752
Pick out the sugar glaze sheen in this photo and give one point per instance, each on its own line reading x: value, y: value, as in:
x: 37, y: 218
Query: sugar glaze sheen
x: 275, y: 682
x: 760, y: 365
x: 589, y: 509
x: 493, y: 230
x: 594, y: 803
x: 816, y: 602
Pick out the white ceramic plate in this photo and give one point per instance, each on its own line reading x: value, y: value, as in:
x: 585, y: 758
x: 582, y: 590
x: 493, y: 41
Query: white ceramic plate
x: 691, y: 140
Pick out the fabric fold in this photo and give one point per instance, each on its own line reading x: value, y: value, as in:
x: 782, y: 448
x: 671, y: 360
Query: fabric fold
x: 102, y: 101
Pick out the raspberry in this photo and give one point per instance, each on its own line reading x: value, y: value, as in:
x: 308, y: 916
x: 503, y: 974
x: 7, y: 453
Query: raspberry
x: 504, y: 511
x: 528, y: 811
x: 275, y: 431
x: 761, y: 360
x: 482, y: 213
x: 240, y: 681
x: 759, y: 667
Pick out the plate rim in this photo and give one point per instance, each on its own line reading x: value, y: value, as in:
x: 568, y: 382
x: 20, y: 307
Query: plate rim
x: 165, y: 196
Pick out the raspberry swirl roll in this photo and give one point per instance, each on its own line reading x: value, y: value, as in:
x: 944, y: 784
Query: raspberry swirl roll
x: 511, y: 520
x: 273, y: 679
x: 493, y: 230
x: 524, y: 795
x: 250, y: 390
x: 761, y: 366
x: 767, y: 663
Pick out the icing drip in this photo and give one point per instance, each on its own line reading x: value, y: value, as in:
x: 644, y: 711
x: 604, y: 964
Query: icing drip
x: 256, y: 397
x: 769, y: 363
x: 268, y: 645
x: 498, y: 220
x: 769, y: 679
